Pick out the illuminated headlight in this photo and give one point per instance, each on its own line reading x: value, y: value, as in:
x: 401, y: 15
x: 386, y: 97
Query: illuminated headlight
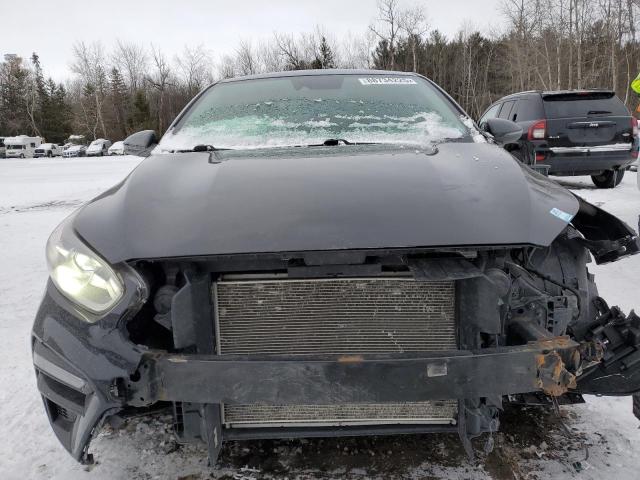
x: 79, y: 273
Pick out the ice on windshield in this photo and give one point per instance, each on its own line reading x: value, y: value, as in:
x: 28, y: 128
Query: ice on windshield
x: 309, y: 113
x: 299, y: 122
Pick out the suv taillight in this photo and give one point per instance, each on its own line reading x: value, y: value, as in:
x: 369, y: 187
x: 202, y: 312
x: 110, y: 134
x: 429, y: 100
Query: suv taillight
x: 634, y: 126
x: 538, y: 130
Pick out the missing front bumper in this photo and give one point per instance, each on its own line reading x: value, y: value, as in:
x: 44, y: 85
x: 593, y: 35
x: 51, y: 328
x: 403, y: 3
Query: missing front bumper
x: 119, y: 374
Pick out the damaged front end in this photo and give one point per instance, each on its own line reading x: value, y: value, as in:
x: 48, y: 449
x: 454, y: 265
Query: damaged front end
x: 352, y: 342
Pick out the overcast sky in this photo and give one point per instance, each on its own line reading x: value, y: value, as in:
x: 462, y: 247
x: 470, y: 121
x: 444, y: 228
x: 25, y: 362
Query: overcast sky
x: 50, y: 27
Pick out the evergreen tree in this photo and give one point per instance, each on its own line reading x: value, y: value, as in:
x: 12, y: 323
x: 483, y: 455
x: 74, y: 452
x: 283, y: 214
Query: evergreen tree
x: 382, y: 55
x: 324, y: 57
x: 119, y: 100
x: 38, y: 75
x: 56, y: 114
x: 141, y: 115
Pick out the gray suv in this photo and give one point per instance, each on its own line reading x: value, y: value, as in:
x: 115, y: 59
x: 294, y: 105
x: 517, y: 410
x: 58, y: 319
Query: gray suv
x: 572, y: 132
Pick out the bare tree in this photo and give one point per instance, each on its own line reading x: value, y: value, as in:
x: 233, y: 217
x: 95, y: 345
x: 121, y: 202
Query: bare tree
x: 246, y: 60
x: 90, y: 64
x: 31, y: 101
x: 194, y: 66
x: 291, y: 51
x: 133, y: 60
x: 355, y: 50
x: 414, y: 23
x: 269, y: 57
x: 522, y: 20
x: 227, y: 67
x: 387, y: 26
x: 159, y: 79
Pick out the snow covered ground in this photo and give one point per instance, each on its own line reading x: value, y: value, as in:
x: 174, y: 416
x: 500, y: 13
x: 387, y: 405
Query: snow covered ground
x: 35, y: 195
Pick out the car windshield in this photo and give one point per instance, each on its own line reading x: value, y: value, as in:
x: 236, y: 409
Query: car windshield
x: 309, y: 109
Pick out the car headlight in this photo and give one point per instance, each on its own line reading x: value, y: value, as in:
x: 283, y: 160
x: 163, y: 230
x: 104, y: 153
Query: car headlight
x: 79, y: 273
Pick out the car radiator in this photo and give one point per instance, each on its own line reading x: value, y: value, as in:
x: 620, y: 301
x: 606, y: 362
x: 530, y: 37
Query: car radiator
x: 335, y: 317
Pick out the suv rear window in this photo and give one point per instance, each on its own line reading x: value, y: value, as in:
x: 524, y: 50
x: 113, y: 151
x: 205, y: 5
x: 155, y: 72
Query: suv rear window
x: 583, y: 105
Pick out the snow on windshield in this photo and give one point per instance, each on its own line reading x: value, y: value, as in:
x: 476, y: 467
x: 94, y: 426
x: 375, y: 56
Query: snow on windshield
x: 267, y: 125
x: 309, y: 110
x: 475, y: 133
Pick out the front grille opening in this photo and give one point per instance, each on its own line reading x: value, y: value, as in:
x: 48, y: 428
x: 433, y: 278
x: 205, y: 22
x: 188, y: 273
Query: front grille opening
x: 59, y: 413
x: 380, y: 315
x: 334, y: 316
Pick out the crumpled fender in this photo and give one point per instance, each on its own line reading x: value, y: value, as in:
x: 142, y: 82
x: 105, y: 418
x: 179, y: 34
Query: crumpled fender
x: 607, y: 237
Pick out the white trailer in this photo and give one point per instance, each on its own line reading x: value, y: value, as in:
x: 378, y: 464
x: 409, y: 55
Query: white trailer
x: 21, y: 146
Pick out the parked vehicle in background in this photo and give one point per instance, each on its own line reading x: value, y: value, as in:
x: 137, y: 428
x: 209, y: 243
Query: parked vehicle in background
x: 98, y: 148
x: 117, y: 148
x: 48, y: 150
x: 75, y: 151
x: 573, y: 132
x: 2, y: 148
x: 21, y: 146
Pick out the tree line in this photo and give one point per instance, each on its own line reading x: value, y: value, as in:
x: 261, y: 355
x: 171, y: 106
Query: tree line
x: 545, y: 44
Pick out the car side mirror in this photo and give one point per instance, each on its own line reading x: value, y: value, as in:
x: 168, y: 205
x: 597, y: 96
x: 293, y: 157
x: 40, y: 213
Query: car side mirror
x: 140, y: 143
x: 503, y: 131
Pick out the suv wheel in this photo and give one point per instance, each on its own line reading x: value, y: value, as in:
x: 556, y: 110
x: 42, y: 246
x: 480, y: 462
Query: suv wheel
x: 608, y: 178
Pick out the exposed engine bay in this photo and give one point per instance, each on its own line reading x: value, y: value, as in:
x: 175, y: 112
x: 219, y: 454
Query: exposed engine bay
x: 360, y: 305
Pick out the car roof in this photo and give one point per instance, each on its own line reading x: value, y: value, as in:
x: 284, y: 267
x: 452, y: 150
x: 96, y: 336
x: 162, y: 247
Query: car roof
x: 329, y: 71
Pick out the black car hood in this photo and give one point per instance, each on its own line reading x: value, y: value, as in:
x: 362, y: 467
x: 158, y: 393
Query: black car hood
x: 317, y: 198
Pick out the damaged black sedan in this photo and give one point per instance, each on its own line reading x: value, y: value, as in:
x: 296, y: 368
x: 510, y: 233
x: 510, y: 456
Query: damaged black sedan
x: 320, y: 253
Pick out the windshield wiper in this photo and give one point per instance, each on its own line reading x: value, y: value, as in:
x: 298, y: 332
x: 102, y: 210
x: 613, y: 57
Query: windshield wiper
x: 333, y: 142
x: 598, y: 112
x: 203, y: 148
